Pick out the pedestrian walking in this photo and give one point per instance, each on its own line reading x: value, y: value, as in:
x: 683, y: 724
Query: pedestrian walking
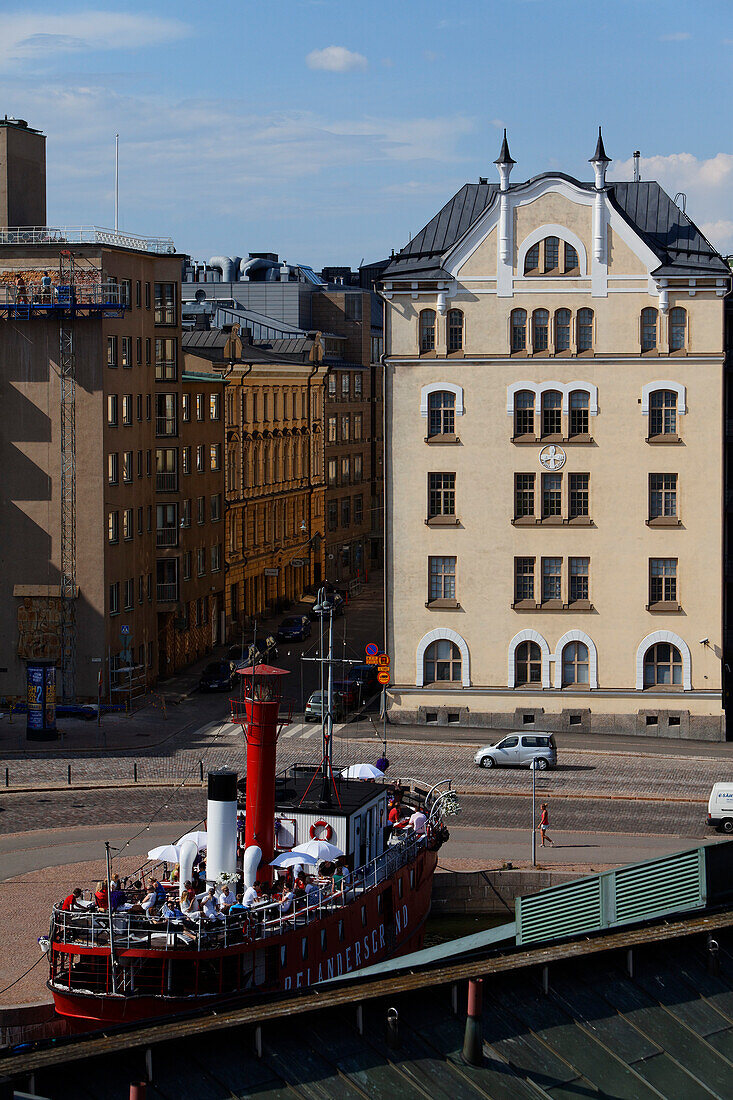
x: 544, y: 822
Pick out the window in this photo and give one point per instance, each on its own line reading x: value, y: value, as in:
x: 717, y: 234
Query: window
x: 114, y: 598
x: 357, y: 469
x: 216, y: 558
x: 677, y: 329
x: 200, y: 453
x: 441, y: 579
x: 427, y: 330
x: 571, y: 258
x: 333, y: 515
x: 127, y: 524
x: 186, y: 460
x: 441, y: 495
x: 358, y: 387
x: 138, y: 294
x: 187, y: 565
x: 332, y: 430
x: 352, y: 311
x: 527, y: 664
x: 579, y: 404
x: 148, y: 463
x: 332, y: 471
x: 345, y: 428
x: 455, y: 330
x: 215, y: 456
x: 578, y: 495
x: 575, y: 664
x: 201, y: 509
x: 216, y: 508
x: 519, y: 329
x: 562, y: 330
x: 662, y: 496
x: 214, y: 406
x: 441, y: 413
x: 127, y: 466
x: 331, y: 386
x: 523, y: 495
x: 126, y: 292
x: 585, y: 330
x: 662, y: 666
x: 201, y: 561
x: 523, y: 579
x: 648, y: 329
x: 552, y: 254
x: 663, y: 413
x: 139, y: 350
x: 551, y: 579
x: 551, y: 413
x: 359, y: 509
x: 166, y: 360
x: 524, y: 413
x: 112, y: 468
x: 551, y: 495
x: 345, y: 512
x: 578, y: 581
x: 345, y: 471
x: 129, y: 594
x: 127, y: 408
x: 186, y: 407
x: 111, y: 351
x: 165, y: 303
x: 532, y: 259
x: 112, y: 410
x: 166, y: 470
x: 200, y: 406
x: 540, y: 329
x: 442, y: 662
x: 148, y: 407
x: 113, y: 526
x: 139, y: 407
x: 147, y: 295
x: 186, y: 513
x: 126, y: 351
x: 140, y: 599
x: 148, y: 346
x: 357, y: 422
x: 345, y: 386
x: 662, y: 580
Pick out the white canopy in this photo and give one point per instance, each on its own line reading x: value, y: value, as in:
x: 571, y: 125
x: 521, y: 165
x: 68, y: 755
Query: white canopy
x: 198, y: 836
x: 292, y: 859
x: 318, y: 849
x: 171, y: 853
x: 362, y: 771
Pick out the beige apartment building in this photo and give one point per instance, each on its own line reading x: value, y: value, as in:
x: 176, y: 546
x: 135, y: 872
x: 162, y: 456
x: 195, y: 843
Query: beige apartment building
x: 555, y: 441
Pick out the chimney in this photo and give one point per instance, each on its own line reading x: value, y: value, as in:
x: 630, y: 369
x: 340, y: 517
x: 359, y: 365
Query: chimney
x: 22, y: 174
x: 637, y: 166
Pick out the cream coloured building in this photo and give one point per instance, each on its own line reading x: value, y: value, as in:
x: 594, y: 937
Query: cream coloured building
x: 555, y: 437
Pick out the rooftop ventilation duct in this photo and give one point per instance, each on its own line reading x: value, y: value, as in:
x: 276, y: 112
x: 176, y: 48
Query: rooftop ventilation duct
x: 225, y: 264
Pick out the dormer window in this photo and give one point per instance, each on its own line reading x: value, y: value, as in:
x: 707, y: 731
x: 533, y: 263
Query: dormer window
x: 552, y: 256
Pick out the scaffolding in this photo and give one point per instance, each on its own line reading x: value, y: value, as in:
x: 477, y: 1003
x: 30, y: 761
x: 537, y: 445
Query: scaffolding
x: 67, y: 371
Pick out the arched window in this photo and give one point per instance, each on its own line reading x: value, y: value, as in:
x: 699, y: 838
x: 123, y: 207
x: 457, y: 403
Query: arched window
x: 441, y: 413
x: 677, y: 328
x: 540, y: 329
x: 524, y: 413
x: 562, y: 330
x: 648, y: 329
x: 575, y: 664
x: 585, y: 330
x: 427, y: 330
x: 551, y: 413
x: 571, y: 258
x: 455, y: 330
x: 663, y: 666
x: 519, y: 329
x: 552, y: 254
x: 442, y: 662
x: 532, y: 259
x: 663, y: 413
x: 579, y: 403
x: 527, y: 664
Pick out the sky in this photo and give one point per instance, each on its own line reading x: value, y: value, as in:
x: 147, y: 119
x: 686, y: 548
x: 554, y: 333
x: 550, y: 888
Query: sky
x: 329, y: 131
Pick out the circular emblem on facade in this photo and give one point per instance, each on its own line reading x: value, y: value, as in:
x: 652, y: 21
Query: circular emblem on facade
x: 552, y: 457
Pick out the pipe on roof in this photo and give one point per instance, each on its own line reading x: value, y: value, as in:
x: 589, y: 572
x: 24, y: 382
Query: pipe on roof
x: 225, y: 264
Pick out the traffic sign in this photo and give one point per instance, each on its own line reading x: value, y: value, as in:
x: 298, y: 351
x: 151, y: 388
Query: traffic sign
x: 124, y: 630
x: 371, y: 649
x: 371, y: 659
x: 272, y: 572
x: 383, y: 676
x: 383, y: 660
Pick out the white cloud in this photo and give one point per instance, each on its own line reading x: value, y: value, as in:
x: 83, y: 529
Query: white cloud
x: 706, y: 183
x: 38, y: 37
x: 677, y: 36
x: 336, y: 59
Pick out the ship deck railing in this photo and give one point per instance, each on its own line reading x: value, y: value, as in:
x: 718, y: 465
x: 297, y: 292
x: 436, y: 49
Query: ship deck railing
x: 131, y: 931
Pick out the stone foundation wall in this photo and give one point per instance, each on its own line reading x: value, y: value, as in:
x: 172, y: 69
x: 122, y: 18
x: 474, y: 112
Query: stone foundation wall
x: 457, y: 892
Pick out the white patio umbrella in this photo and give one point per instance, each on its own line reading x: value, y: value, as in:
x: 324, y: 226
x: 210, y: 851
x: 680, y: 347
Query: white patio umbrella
x: 198, y: 836
x: 362, y: 771
x: 290, y: 859
x: 171, y: 853
x: 318, y: 849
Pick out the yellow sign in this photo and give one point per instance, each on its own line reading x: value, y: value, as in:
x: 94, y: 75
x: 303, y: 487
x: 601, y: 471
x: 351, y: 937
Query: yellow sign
x: 371, y: 659
x: 383, y: 660
x: 383, y: 676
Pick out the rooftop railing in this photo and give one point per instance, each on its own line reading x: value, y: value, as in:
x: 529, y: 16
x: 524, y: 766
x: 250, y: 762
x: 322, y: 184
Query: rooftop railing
x: 84, y: 234
x: 89, y: 291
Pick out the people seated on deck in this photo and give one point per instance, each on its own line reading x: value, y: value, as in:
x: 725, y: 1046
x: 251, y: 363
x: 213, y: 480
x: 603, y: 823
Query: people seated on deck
x: 118, y: 898
x: 159, y: 891
x: 114, y: 883
x: 312, y: 893
x: 73, y: 903
x: 175, y: 873
x: 226, y: 899
x: 238, y: 908
x: 189, y: 903
x: 286, y: 902
x: 419, y: 822
x: 397, y: 817
x: 100, y: 895
x: 251, y: 895
x: 209, y: 906
x: 189, y: 888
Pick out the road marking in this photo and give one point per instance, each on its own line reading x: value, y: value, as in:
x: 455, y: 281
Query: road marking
x: 293, y: 730
x: 310, y: 733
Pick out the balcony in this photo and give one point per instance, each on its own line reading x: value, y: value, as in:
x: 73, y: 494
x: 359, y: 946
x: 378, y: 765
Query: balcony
x: 166, y: 426
x: 85, y: 234
x: 167, y: 482
x: 166, y: 536
x: 168, y: 592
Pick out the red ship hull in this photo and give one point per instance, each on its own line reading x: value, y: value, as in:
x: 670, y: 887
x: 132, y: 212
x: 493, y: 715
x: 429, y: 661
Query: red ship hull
x: 382, y: 922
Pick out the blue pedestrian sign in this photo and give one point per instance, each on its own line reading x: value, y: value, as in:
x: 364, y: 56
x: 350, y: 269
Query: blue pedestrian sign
x: 124, y: 630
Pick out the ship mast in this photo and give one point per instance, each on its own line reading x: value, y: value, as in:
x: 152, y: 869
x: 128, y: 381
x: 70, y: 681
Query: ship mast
x: 324, y: 606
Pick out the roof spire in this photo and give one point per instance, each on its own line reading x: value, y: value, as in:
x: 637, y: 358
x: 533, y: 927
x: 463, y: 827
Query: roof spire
x: 505, y: 164
x: 600, y: 161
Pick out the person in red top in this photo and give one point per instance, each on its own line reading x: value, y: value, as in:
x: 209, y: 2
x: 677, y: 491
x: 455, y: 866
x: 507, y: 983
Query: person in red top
x: 72, y: 902
x: 100, y: 895
x: 544, y: 822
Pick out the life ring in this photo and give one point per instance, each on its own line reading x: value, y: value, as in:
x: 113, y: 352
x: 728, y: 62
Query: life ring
x: 321, y: 825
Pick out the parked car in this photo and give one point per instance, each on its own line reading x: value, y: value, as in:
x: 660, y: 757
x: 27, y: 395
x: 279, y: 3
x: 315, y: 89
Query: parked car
x: 295, y: 628
x: 314, y: 707
x: 519, y: 749
x: 87, y: 711
x: 260, y: 650
x: 365, y: 678
x: 720, y: 807
x: 217, y: 676
x: 348, y: 692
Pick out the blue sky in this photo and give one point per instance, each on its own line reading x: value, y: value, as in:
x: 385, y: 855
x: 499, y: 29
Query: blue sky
x: 329, y: 130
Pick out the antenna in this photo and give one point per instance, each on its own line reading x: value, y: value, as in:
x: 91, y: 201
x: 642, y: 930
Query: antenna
x: 117, y: 183
x: 637, y: 168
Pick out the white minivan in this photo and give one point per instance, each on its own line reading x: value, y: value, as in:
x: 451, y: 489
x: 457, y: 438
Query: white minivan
x: 720, y: 807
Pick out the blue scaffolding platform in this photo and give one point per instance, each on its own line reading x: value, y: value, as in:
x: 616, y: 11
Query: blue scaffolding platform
x: 85, y: 299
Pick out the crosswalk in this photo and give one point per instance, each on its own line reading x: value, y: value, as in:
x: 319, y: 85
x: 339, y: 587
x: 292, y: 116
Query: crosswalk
x: 304, y: 731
